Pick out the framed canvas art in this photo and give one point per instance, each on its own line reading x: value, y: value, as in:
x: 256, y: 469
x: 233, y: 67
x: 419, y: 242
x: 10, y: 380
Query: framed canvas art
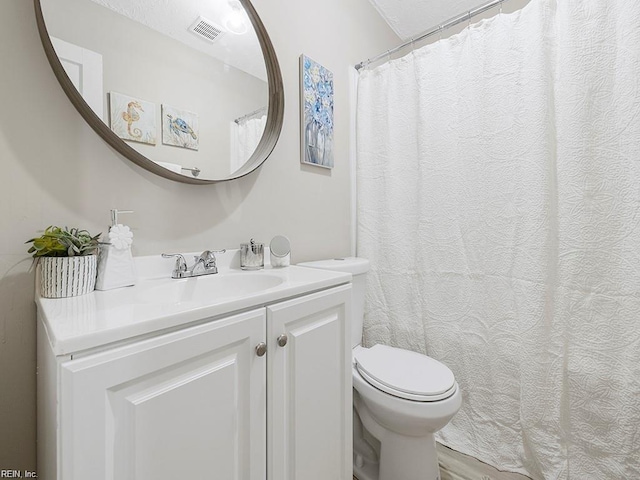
x: 180, y: 128
x: 316, y: 103
x: 132, y: 118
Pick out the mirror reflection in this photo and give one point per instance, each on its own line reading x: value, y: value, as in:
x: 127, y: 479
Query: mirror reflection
x: 184, y: 84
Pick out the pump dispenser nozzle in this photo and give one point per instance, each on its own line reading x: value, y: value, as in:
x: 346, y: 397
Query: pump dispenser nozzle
x: 114, y: 215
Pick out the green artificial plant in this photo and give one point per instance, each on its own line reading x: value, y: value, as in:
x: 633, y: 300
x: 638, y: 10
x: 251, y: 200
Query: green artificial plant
x: 63, y: 242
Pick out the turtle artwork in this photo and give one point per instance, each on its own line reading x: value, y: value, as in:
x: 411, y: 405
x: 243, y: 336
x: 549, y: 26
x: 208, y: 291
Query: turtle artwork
x: 179, y: 128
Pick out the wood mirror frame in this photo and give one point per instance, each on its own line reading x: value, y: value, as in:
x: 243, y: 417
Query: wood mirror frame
x: 275, y: 112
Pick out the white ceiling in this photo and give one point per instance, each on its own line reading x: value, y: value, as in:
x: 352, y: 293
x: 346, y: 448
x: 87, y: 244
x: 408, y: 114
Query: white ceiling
x: 174, y: 17
x: 409, y: 18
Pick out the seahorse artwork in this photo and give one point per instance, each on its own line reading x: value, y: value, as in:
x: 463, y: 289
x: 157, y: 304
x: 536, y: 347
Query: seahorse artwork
x: 131, y: 116
x: 133, y: 119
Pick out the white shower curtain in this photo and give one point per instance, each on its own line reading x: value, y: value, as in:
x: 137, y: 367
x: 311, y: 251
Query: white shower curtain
x: 245, y: 136
x: 499, y: 202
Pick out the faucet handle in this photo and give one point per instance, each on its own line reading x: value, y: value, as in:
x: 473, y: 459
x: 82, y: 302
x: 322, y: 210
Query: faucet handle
x: 181, y: 263
x: 213, y: 255
x: 209, y: 257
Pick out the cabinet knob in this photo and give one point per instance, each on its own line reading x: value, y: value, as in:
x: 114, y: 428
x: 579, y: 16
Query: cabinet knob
x: 261, y: 349
x: 282, y: 340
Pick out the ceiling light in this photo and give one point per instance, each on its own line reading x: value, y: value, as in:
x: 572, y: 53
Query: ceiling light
x: 236, y: 22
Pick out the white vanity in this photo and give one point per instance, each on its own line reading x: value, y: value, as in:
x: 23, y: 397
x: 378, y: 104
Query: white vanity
x: 238, y: 375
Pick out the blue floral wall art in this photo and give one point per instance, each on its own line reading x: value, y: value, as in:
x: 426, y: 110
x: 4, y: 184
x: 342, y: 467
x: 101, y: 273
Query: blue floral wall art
x: 316, y: 91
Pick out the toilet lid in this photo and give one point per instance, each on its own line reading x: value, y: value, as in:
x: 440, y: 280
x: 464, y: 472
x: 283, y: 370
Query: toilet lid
x: 405, y: 374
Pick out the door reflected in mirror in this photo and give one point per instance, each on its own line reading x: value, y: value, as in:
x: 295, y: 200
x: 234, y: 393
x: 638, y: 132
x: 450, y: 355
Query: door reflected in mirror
x: 185, y: 85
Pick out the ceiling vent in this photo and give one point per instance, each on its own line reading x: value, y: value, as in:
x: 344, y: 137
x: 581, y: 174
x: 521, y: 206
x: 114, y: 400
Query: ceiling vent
x: 206, y: 29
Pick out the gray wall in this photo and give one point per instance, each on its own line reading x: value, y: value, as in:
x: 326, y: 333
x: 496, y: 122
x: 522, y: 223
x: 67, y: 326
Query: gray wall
x: 55, y: 170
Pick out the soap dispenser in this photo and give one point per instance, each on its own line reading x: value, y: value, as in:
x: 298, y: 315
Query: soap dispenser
x: 115, y: 262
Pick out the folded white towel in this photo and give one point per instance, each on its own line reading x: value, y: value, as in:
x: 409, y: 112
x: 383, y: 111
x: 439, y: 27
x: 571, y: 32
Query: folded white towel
x: 174, y: 167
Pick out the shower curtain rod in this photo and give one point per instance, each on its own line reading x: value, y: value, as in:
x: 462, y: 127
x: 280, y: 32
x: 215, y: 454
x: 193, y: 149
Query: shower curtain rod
x: 443, y: 26
x: 255, y: 113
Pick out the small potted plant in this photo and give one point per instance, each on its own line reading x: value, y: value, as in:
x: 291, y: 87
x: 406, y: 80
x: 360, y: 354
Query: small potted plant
x: 68, y: 261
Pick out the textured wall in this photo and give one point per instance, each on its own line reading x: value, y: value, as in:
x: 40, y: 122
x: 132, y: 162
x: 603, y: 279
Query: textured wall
x: 55, y: 170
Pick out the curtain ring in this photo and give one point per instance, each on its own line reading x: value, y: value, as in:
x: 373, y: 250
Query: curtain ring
x: 388, y: 55
x: 469, y: 15
x: 440, y: 30
x: 501, y: 2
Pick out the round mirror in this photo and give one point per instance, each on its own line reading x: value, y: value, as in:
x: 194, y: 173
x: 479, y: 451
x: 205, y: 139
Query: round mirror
x: 188, y: 89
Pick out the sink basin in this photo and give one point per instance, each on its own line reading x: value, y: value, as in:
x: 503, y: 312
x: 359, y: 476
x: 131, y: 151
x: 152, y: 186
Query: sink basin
x: 157, y: 302
x: 209, y: 288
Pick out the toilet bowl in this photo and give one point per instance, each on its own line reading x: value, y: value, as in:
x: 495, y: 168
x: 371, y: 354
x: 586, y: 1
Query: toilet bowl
x: 401, y: 398
x: 404, y: 427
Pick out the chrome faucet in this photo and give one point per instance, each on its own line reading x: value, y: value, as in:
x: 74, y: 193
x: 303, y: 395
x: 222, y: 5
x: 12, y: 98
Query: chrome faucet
x: 205, y: 264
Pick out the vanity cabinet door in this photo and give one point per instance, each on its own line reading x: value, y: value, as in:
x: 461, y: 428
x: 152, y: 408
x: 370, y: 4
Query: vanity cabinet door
x: 309, y: 387
x: 185, y: 405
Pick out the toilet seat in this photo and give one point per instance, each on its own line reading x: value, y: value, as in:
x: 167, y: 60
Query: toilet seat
x: 405, y: 374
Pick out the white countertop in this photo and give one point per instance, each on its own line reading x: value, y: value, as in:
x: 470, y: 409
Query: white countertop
x: 158, y: 302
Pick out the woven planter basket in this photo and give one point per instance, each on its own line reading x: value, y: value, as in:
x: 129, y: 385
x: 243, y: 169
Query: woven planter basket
x: 67, y: 276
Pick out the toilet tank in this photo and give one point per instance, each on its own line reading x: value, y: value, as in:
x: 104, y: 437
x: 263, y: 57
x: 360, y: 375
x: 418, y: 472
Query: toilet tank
x: 358, y: 267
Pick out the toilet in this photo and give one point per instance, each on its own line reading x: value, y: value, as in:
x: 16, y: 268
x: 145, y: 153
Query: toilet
x: 401, y: 398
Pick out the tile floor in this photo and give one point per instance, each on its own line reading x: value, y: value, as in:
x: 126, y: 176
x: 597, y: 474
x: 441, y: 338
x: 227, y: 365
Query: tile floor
x: 458, y: 466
